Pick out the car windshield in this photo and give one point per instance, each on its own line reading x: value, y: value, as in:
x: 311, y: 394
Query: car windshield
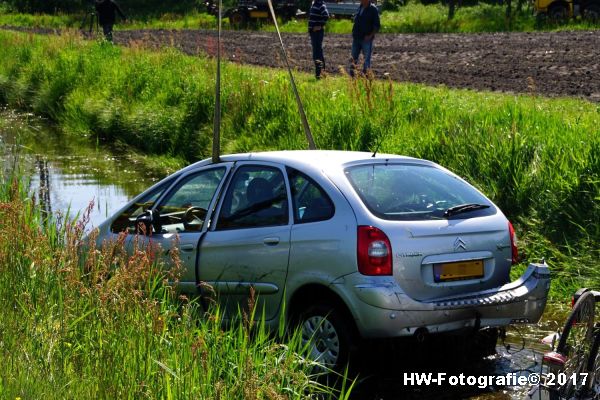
x: 413, y: 192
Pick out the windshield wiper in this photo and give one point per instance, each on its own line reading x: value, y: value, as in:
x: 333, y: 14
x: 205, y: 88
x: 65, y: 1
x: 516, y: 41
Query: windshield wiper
x: 461, y: 208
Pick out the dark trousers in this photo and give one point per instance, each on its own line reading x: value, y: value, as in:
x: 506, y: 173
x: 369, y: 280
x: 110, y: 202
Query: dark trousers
x: 358, y: 46
x: 107, y: 29
x: 316, y: 40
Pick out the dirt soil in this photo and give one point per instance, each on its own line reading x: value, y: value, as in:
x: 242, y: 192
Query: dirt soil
x: 547, y: 63
x: 554, y: 64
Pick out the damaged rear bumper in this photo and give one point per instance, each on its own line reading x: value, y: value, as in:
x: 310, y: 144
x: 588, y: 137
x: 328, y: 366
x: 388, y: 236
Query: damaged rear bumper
x: 386, y: 311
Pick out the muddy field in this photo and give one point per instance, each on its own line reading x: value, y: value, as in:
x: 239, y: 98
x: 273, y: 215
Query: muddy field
x: 551, y: 64
x: 547, y: 63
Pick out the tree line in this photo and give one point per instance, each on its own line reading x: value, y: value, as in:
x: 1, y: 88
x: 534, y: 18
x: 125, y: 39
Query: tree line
x: 145, y: 7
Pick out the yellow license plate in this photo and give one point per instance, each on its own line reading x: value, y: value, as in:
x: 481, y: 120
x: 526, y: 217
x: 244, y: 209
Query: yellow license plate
x: 456, y: 271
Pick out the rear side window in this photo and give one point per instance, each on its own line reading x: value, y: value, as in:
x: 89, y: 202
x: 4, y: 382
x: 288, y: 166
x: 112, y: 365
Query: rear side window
x: 311, y: 203
x: 412, y: 192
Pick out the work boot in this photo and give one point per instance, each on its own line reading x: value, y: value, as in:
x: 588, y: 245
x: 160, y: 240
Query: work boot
x: 318, y: 68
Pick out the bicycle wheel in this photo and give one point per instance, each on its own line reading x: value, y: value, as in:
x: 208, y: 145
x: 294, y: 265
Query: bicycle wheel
x: 593, y: 367
x: 576, y: 344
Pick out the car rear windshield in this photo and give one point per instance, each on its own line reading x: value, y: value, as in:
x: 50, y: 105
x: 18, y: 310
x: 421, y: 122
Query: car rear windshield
x: 414, y: 192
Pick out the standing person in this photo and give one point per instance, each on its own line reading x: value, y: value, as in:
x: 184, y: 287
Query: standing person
x: 318, y: 16
x: 366, y: 25
x: 106, y: 10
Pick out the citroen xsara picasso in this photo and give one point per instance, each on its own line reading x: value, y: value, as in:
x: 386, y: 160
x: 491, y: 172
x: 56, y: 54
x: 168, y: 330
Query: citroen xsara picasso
x: 347, y: 244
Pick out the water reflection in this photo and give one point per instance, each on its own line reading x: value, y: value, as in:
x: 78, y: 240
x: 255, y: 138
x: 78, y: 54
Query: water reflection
x: 68, y: 173
x: 44, y: 185
x: 382, y: 371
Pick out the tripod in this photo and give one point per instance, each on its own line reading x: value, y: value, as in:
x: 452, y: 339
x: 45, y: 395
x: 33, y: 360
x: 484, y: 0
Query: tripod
x: 91, y: 20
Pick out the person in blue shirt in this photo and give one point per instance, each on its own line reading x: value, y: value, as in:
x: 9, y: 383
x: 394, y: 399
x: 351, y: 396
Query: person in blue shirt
x: 366, y: 25
x: 317, y: 17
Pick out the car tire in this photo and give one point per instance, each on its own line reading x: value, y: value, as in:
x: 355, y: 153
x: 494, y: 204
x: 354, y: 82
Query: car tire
x: 558, y: 13
x: 591, y: 12
x: 329, y: 335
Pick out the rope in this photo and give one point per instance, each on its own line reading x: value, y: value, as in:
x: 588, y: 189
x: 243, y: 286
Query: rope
x: 216, y: 147
x: 307, y: 132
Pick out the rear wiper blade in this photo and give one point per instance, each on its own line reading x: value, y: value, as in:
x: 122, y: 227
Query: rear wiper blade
x: 461, y: 208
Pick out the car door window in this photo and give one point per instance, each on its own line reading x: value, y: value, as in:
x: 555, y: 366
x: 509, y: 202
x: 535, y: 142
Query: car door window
x: 310, y: 201
x: 184, y: 209
x: 126, y: 221
x: 256, y: 197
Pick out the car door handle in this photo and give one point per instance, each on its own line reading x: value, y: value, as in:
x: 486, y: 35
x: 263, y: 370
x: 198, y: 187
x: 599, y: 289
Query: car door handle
x: 187, y: 247
x: 271, y: 241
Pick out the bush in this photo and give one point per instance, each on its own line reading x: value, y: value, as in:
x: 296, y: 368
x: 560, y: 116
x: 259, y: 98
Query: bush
x: 138, y: 7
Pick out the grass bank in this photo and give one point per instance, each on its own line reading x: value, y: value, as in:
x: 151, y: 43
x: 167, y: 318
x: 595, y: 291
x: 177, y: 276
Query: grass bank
x: 102, y: 323
x: 538, y: 159
x: 412, y: 18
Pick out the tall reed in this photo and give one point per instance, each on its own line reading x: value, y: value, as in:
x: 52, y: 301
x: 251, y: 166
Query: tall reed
x: 86, y: 322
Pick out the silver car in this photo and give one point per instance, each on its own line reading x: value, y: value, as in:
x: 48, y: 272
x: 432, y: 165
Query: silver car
x: 348, y: 245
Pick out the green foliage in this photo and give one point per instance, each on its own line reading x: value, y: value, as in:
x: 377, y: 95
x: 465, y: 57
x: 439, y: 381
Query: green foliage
x: 91, y: 322
x: 392, y: 5
x: 141, y: 7
x: 413, y: 17
x: 538, y: 159
x: 46, y: 6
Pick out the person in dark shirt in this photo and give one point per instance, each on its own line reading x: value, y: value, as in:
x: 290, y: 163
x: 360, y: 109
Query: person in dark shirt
x: 366, y: 25
x: 317, y: 17
x: 106, y: 10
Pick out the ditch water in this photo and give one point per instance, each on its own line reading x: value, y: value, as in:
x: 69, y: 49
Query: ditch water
x: 519, y: 356
x: 68, y: 173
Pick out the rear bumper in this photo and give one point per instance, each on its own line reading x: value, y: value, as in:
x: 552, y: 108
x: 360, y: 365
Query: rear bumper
x: 383, y: 310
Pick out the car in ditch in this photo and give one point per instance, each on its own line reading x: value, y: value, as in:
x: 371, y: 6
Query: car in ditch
x: 345, y: 245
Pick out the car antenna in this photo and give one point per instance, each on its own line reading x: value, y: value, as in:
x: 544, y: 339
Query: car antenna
x: 377, y: 146
x: 382, y: 137
x: 307, y: 132
x: 216, y: 147
x: 376, y: 149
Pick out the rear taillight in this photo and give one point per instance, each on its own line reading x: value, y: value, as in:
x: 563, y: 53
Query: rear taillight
x: 513, y: 243
x: 374, y: 251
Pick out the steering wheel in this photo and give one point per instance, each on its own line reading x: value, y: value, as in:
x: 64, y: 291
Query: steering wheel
x: 194, y: 218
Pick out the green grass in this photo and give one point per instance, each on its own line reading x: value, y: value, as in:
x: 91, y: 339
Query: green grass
x: 412, y: 18
x: 40, y: 20
x: 91, y: 322
x: 537, y: 158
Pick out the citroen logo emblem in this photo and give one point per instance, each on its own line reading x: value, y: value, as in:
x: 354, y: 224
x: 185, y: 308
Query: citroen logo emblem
x: 459, y: 244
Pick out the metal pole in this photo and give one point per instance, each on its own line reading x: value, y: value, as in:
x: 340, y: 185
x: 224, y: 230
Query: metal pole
x: 216, y: 147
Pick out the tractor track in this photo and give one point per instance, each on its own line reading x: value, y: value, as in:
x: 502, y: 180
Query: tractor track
x: 553, y: 64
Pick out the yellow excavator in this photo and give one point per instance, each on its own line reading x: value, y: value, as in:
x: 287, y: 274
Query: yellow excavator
x: 562, y: 10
